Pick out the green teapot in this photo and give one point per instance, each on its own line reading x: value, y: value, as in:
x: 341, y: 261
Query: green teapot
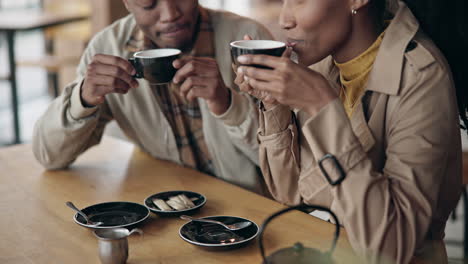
x: 298, y: 254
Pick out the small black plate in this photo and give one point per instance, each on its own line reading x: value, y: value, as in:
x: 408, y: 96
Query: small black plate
x: 199, y: 203
x: 214, y: 236
x: 113, y: 214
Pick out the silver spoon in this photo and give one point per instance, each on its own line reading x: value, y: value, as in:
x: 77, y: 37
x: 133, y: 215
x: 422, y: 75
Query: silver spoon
x: 232, y: 227
x: 88, y: 222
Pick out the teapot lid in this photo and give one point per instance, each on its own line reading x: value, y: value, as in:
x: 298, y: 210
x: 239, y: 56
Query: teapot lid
x: 298, y: 254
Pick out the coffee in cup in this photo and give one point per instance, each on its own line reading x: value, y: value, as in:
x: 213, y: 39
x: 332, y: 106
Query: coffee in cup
x: 255, y: 47
x: 155, y: 65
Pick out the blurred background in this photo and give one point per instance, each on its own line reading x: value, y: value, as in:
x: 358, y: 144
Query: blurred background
x: 48, y: 37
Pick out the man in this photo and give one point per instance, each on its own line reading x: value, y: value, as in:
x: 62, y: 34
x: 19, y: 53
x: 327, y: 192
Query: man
x: 196, y: 121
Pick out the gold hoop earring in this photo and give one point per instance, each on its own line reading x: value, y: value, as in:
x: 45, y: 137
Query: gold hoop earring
x: 354, y: 12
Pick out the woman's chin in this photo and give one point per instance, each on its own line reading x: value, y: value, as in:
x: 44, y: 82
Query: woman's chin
x: 307, y: 60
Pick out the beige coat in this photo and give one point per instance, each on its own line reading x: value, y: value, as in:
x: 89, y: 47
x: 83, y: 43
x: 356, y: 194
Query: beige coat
x: 400, y: 151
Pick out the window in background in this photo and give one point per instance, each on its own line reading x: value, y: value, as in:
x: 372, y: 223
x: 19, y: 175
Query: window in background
x: 32, y: 81
x: 19, y: 4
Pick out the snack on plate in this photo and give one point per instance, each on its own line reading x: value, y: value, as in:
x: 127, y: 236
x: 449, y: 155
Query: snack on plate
x: 188, y: 203
x: 178, y: 202
x: 162, y: 205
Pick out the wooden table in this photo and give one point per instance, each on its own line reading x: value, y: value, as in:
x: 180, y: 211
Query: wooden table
x: 10, y: 23
x: 37, y: 227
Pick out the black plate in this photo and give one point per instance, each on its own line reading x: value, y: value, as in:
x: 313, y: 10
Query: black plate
x: 199, y: 203
x: 113, y: 214
x: 215, y: 236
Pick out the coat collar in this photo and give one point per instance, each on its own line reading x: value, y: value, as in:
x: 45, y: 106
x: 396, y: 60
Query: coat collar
x: 388, y: 66
x: 386, y: 73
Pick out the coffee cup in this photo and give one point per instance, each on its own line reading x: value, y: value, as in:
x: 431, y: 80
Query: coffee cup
x: 155, y: 65
x: 255, y: 47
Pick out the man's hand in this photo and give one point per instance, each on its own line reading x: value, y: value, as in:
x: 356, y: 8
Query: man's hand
x: 200, y: 77
x: 106, y: 74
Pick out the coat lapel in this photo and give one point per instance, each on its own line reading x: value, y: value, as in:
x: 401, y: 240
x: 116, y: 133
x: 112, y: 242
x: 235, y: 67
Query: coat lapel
x: 358, y: 119
x: 361, y: 128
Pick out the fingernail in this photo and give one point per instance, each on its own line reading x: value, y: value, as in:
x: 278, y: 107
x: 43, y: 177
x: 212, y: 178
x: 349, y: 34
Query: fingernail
x: 134, y: 72
x: 242, y: 59
x: 240, y: 70
x: 176, y: 81
x: 246, y: 78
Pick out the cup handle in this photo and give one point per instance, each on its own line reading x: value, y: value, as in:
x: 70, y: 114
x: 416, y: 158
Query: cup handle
x: 137, y: 66
x: 136, y: 230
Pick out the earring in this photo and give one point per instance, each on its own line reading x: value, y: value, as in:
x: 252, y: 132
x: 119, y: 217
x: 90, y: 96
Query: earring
x: 354, y: 11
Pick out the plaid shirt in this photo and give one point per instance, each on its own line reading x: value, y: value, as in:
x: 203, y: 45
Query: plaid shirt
x: 184, y: 117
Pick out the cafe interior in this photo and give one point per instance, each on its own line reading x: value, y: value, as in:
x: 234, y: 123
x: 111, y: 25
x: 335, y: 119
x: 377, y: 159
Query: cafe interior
x: 41, y: 43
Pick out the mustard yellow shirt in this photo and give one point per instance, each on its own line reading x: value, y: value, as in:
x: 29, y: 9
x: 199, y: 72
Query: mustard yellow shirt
x: 354, y: 75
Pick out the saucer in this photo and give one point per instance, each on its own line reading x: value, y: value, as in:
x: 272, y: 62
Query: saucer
x: 215, y: 236
x: 113, y: 214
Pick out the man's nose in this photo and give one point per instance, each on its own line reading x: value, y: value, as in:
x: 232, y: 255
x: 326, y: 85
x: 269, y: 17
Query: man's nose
x: 169, y: 11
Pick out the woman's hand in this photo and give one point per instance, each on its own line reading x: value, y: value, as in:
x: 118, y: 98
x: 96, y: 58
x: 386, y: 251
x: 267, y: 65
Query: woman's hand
x: 287, y: 82
x: 241, y: 81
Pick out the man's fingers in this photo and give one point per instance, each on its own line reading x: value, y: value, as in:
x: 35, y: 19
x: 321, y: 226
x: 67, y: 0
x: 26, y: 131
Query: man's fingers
x: 103, y: 80
x: 191, y: 82
x: 194, y: 67
x: 196, y: 92
x: 102, y: 90
x: 247, y: 37
x: 180, y: 62
x: 116, y: 72
x: 116, y: 61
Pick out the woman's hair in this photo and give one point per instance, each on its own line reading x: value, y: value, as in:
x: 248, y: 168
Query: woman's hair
x: 447, y: 25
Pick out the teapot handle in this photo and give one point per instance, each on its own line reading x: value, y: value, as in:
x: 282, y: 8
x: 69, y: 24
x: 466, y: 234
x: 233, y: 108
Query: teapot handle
x: 303, y: 208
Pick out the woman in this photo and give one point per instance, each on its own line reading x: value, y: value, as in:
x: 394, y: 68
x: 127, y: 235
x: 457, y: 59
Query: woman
x: 374, y: 131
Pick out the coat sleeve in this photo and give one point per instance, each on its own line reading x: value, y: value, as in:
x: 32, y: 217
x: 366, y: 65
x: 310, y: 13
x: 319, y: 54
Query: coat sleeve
x: 67, y: 128
x: 387, y: 213
x: 279, y: 154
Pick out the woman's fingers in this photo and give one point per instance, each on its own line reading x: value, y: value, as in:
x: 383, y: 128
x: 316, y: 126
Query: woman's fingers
x: 256, y: 73
x: 261, y: 85
x: 263, y: 60
x: 287, y: 53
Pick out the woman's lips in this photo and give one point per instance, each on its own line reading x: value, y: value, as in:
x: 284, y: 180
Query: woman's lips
x: 293, y: 42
